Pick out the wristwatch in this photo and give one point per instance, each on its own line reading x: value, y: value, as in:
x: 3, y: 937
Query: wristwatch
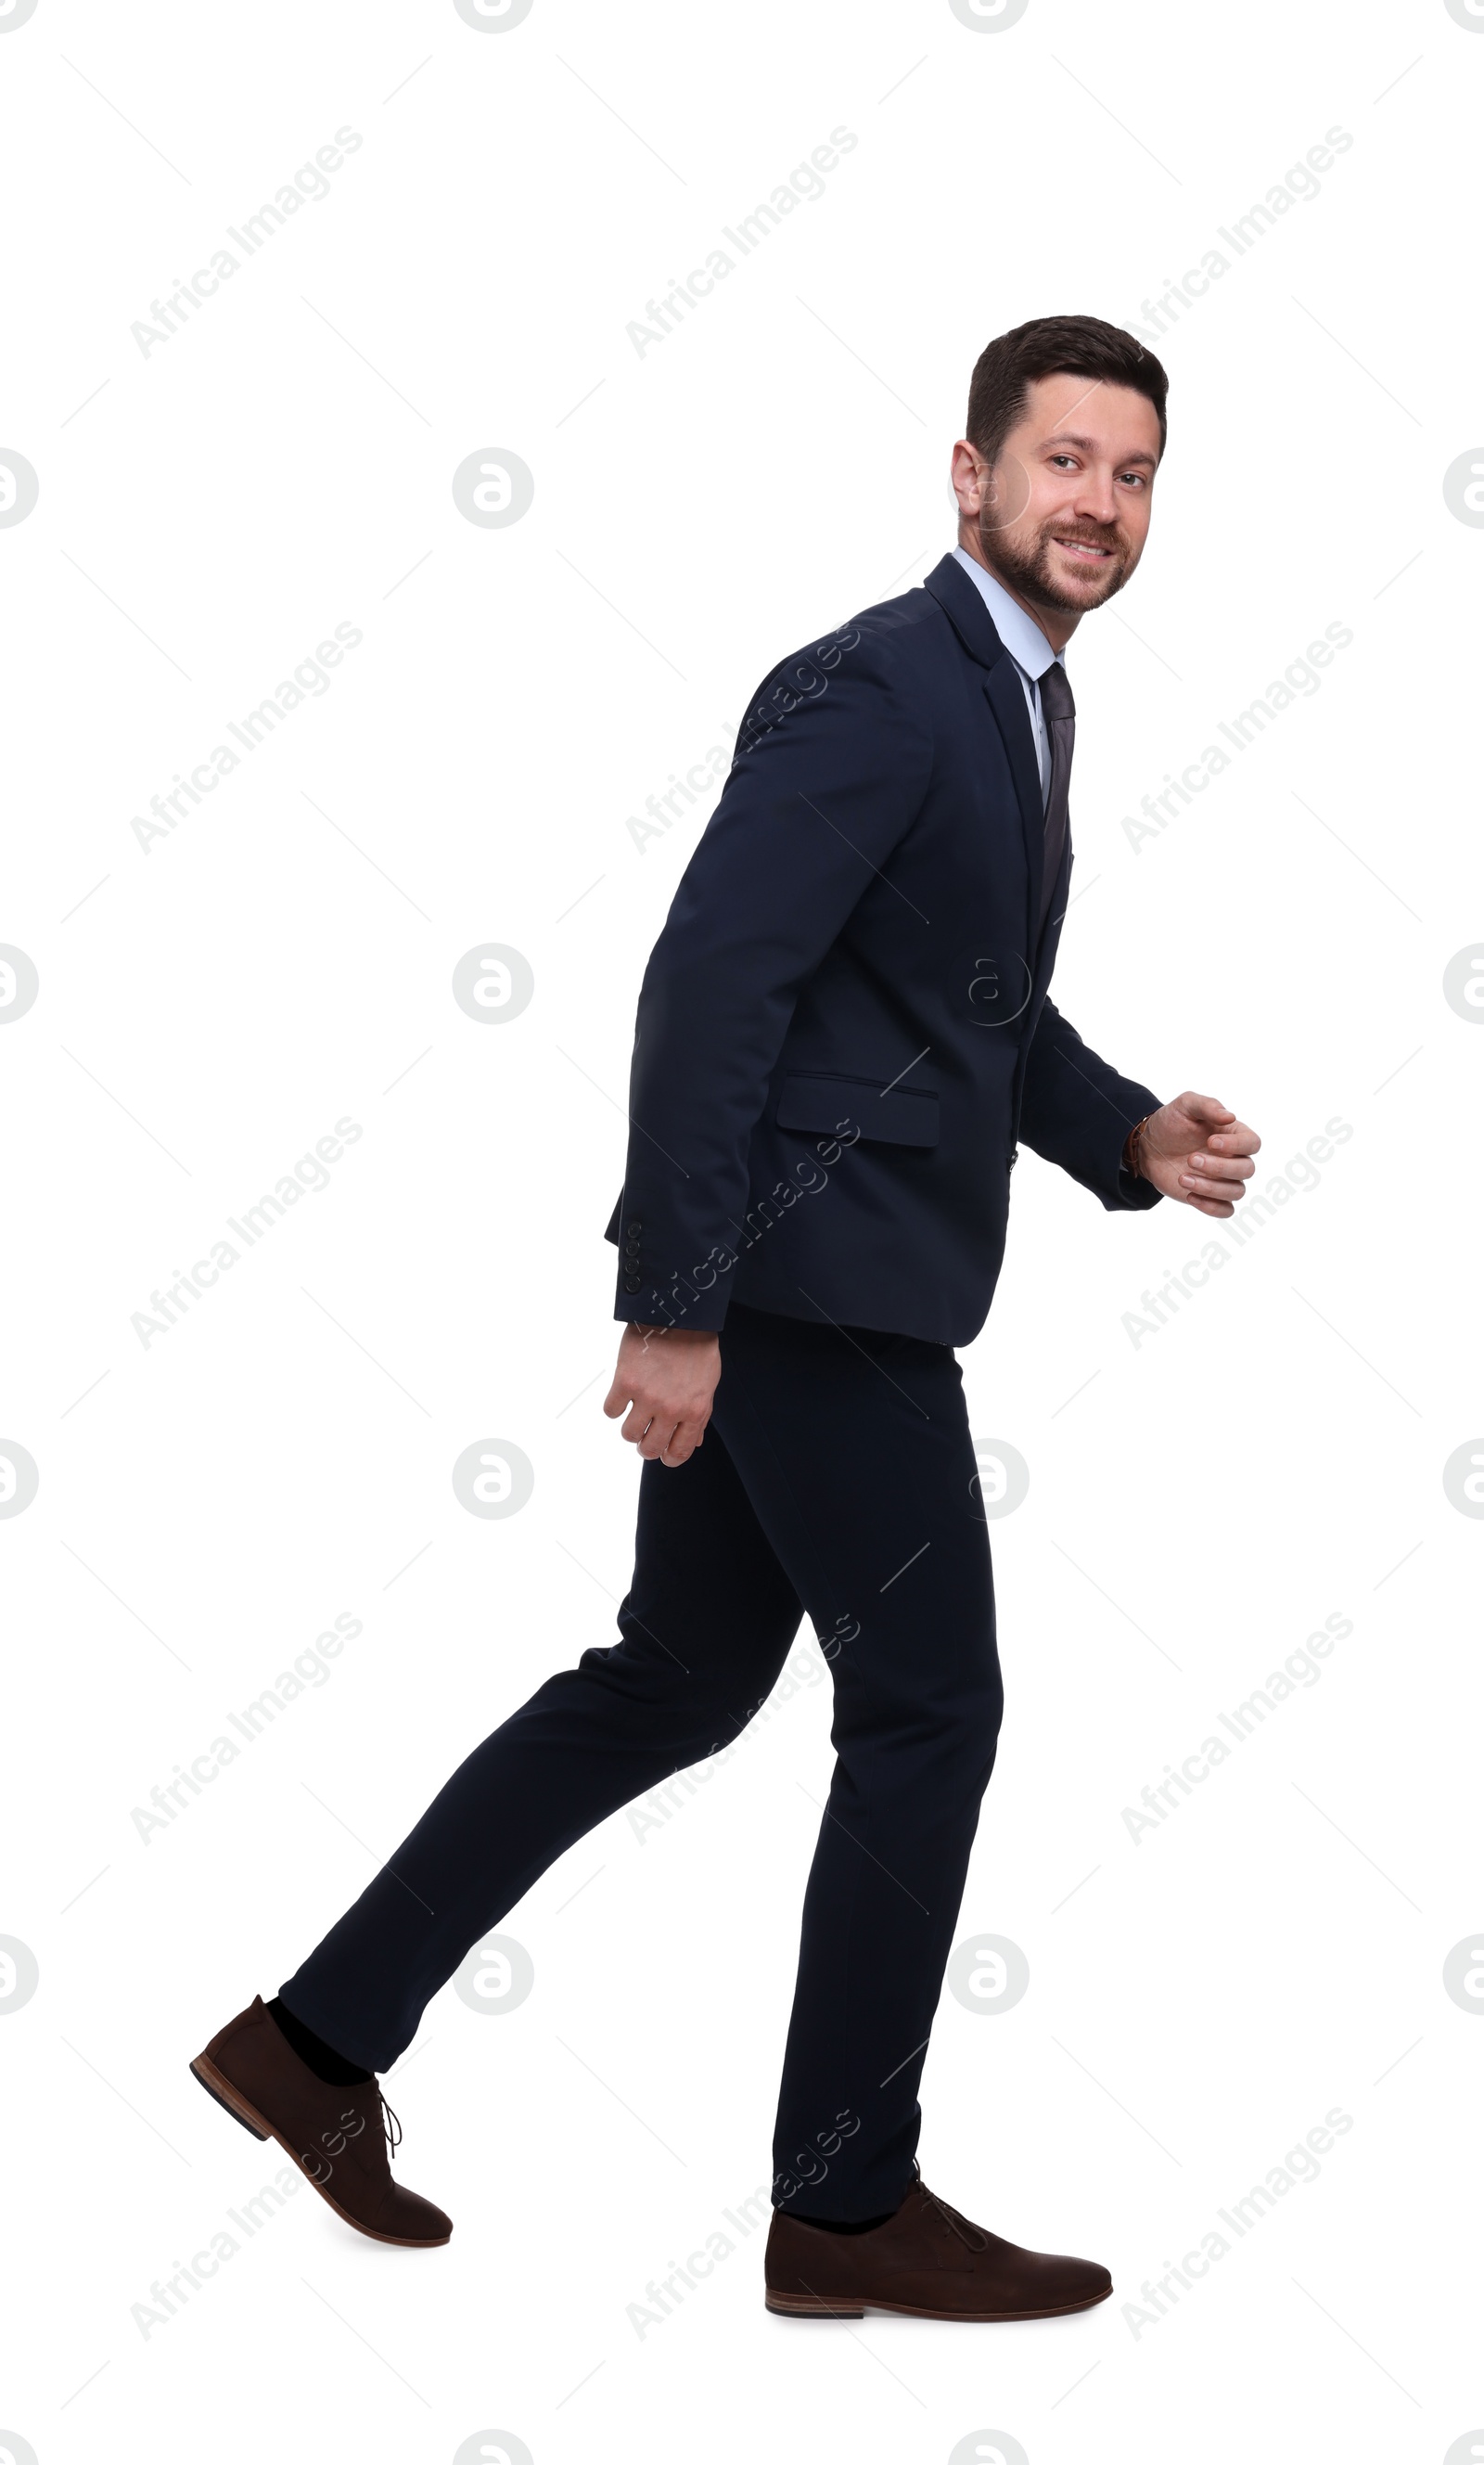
x: 1133, y: 1148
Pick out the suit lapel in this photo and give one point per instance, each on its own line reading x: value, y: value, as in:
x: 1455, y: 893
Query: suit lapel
x: 967, y: 612
x: 1007, y: 698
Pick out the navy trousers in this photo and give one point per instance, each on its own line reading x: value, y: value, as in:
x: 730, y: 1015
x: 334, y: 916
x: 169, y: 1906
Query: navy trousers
x: 837, y: 1477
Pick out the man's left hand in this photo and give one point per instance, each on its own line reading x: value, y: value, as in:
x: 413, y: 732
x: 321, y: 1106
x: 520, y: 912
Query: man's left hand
x: 1195, y: 1150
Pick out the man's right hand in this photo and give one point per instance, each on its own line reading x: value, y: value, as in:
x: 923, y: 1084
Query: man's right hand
x: 665, y: 1379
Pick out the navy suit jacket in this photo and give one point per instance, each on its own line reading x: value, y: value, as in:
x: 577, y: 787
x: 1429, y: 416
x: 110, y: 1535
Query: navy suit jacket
x: 843, y: 1028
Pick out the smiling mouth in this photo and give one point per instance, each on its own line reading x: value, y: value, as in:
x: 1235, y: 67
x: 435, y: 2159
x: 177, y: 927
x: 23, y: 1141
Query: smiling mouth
x: 1085, y: 548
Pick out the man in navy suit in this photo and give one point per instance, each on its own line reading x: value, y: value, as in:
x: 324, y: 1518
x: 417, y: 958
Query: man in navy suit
x: 842, y: 1037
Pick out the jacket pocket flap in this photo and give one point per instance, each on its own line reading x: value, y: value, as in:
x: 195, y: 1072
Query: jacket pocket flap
x: 901, y: 1117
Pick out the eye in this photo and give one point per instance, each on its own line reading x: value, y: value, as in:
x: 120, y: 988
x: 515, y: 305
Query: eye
x: 1068, y: 461
x: 1134, y: 478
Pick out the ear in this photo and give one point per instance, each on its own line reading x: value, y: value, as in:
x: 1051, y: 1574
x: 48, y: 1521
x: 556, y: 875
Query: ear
x: 969, y: 474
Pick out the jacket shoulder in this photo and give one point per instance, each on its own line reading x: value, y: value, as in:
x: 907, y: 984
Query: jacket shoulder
x: 905, y: 615
x: 880, y: 645
x: 899, y: 630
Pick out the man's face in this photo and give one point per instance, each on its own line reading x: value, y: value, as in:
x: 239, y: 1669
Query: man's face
x: 1063, y: 515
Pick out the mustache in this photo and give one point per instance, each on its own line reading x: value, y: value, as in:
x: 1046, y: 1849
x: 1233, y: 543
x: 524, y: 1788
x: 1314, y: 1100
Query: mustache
x: 1085, y: 534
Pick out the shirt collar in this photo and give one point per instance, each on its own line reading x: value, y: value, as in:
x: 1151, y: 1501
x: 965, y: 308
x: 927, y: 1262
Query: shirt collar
x: 1021, y: 635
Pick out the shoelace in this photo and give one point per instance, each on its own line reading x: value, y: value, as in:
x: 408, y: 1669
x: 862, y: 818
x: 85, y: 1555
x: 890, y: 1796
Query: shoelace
x: 391, y: 2127
x: 968, y: 2234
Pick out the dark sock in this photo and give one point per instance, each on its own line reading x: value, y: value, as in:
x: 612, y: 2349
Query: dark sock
x: 335, y: 2070
x: 842, y: 2225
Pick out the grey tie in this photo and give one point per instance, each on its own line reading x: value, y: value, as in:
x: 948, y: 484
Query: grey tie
x: 1059, y: 712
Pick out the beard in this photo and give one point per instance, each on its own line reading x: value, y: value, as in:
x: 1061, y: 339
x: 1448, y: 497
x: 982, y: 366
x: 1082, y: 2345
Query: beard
x: 1031, y: 568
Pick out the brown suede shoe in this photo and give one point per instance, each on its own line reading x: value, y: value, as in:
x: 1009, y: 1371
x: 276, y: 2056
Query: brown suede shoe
x: 337, y: 2136
x: 928, y: 2262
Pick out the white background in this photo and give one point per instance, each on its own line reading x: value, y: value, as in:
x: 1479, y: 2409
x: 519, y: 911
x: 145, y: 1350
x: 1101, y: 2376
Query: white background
x: 1199, y: 1502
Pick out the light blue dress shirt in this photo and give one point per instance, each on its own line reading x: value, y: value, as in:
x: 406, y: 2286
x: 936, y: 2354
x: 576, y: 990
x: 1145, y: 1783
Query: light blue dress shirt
x: 1028, y: 648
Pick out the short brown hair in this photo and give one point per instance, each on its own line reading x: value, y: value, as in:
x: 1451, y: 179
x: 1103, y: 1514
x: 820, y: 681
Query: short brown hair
x: 1050, y: 346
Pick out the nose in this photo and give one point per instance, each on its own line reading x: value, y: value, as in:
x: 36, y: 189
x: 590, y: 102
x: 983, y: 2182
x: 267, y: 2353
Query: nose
x: 1093, y: 500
